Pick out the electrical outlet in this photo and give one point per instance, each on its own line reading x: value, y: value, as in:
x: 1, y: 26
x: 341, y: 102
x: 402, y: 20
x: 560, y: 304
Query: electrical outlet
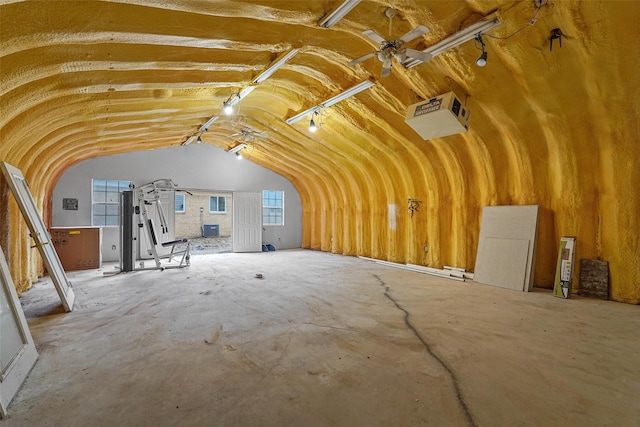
x: 426, y: 249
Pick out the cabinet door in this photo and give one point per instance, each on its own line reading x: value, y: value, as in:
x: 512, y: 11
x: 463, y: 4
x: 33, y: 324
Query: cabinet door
x: 17, y: 351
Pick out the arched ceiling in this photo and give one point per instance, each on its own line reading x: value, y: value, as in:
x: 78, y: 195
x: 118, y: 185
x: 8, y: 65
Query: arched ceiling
x: 556, y: 128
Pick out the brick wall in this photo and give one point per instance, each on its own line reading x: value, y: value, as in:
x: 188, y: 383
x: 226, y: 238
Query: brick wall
x: 188, y: 224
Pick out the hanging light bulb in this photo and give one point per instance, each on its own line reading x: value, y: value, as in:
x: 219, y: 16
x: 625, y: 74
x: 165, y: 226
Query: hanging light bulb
x: 238, y: 156
x: 227, y: 108
x: 482, y: 60
x: 313, y: 126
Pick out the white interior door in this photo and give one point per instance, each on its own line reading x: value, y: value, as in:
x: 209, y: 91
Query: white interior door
x: 247, y: 222
x: 39, y: 233
x: 17, y: 350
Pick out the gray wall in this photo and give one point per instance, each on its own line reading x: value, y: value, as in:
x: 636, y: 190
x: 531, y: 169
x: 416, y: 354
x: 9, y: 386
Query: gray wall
x: 201, y: 166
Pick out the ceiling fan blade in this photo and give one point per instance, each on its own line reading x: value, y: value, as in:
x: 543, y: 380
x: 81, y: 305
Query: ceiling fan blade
x: 401, y: 55
x: 234, y: 135
x: 386, y: 68
x: 417, y: 54
x: 362, y: 58
x: 261, y: 135
x: 415, y: 33
x: 374, y: 36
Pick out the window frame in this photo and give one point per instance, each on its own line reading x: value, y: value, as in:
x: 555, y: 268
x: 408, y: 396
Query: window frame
x: 184, y: 202
x: 121, y: 185
x: 218, y: 205
x: 266, y: 197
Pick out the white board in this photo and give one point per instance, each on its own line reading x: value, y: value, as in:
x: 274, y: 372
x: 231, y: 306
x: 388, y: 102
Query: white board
x: 512, y: 254
x: 247, y: 222
x: 39, y: 233
x: 17, y: 350
x: 507, y: 243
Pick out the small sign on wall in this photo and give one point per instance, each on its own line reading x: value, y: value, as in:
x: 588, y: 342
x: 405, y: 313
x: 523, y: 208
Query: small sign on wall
x: 564, y: 268
x: 70, y: 204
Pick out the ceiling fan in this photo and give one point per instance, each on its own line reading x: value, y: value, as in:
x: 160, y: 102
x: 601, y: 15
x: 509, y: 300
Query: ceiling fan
x: 248, y: 135
x: 390, y: 49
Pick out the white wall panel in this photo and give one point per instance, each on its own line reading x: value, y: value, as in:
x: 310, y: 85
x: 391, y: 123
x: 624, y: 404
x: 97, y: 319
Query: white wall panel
x: 507, y: 247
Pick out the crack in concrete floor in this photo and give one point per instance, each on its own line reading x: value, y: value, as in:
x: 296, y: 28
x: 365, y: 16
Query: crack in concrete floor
x: 427, y: 346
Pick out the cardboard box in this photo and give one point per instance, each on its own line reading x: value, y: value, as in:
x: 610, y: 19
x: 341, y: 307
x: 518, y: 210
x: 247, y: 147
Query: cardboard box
x: 79, y: 247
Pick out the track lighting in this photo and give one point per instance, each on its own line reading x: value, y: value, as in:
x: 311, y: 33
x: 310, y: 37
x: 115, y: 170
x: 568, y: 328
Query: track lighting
x: 237, y: 148
x: 312, y: 125
x: 331, y: 101
x: 276, y: 65
x: 482, y: 59
x: 205, y: 127
x: 234, y: 98
x: 338, y: 13
x: 469, y: 33
x: 189, y: 140
x: 227, y: 106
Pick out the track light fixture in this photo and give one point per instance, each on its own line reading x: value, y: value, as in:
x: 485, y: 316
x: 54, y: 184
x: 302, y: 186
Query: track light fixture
x: 338, y: 13
x: 234, y: 98
x: 275, y: 66
x: 189, y: 140
x: 205, y: 127
x: 482, y: 59
x: 227, y: 106
x: 469, y: 33
x: 312, y: 124
x: 237, y: 148
x: 331, y: 101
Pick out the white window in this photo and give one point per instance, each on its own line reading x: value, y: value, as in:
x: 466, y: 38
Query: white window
x: 180, y: 203
x: 272, y: 207
x: 105, y: 205
x: 217, y: 204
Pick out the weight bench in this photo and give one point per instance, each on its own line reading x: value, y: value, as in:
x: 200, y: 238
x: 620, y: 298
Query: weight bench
x: 178, y: 247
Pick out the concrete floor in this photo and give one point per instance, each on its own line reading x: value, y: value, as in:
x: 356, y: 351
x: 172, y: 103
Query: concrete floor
x: 323, y: 340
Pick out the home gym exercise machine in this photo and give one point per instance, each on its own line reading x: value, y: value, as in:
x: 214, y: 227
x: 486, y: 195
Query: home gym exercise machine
x: 135, y: 221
